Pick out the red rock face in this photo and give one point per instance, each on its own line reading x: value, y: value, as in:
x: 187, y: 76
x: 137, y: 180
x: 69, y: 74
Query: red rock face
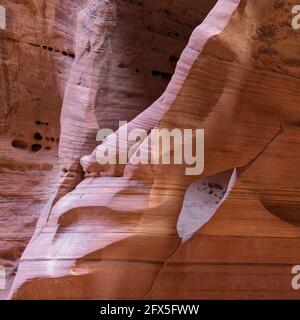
x: 135, y: 231
x: 37, y: 54
x: 37, y: 51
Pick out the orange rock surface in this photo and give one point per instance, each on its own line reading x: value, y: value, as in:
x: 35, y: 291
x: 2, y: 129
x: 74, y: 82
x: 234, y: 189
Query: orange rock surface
x: 150, y: 231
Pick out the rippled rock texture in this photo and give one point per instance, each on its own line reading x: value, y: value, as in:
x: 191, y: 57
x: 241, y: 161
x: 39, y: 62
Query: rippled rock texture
x: 71, y: 68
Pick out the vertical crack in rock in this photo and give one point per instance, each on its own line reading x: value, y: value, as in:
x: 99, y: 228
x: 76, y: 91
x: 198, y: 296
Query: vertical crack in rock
x: 159, y: 271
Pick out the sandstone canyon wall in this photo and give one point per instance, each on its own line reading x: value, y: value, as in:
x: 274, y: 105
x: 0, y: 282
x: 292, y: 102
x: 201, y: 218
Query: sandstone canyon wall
x: 37, y: 54
x: 71, y: 68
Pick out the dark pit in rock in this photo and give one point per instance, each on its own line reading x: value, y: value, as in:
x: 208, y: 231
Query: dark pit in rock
x: 36, y: 147
x: 38, y: 136
x: 19, y: 144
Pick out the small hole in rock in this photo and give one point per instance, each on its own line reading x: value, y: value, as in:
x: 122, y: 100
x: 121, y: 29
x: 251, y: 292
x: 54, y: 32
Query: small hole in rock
x: 36, y: 147
x: 38, y: 136
x: 19, y: 144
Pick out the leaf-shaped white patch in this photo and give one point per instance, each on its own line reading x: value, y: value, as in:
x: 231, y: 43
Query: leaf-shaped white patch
x: 201, y: 201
